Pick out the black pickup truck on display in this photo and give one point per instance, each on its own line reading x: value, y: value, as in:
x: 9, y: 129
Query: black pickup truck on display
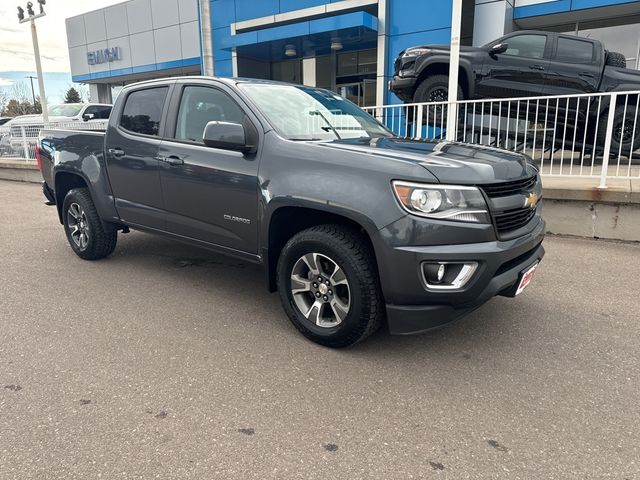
x: 354, y: 227
x: 527, y: 63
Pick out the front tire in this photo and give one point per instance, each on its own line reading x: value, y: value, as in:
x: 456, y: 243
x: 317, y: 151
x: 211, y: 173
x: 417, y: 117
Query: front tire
x: 89, y: 238
x: 328, y: 285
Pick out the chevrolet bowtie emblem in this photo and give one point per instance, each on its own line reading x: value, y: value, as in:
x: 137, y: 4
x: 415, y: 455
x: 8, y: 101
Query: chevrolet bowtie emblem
x: 531, y: 200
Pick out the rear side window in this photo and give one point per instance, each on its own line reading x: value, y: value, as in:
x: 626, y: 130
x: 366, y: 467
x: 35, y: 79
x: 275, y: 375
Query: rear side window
x: 574, y: 51
x: 529, y: 46
x: 143, y: 110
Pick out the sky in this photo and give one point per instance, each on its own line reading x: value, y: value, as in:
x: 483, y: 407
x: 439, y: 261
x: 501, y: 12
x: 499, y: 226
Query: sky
x: 16, y: 54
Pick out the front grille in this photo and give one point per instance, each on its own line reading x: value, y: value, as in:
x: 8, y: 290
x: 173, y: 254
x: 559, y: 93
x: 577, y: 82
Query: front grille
x: 396, y: 66
x: 505, y: 189
x: 513, y: 219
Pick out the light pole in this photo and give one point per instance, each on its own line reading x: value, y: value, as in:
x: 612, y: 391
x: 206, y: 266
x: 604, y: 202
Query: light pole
x: 36, y: 50
x: 454, y: 64
x: 33, y: 92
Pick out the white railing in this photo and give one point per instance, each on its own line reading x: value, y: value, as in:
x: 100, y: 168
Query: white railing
x: 566, y: 135
x: 18, y: 141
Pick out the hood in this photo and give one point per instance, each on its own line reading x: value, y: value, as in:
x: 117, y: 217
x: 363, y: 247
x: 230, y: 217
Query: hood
x: 449, y: 162
x: 35, y: 119
x: 445, y: 48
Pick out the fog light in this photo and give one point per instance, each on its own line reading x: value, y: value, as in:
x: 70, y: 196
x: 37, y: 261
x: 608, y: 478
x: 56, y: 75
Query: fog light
x: 448, y: 275
x: 434, y: 272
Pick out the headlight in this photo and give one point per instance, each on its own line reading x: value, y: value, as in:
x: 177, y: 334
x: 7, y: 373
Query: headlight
x: 443, y: 202
x: 416, y: 52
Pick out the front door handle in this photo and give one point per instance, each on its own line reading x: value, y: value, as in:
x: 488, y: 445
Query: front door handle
x: 536, y: 67
x: 172, y: 160
x: 586, y: 74
x: 116, y: 152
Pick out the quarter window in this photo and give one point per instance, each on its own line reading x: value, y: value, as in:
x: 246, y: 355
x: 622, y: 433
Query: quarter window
x: 574, y: 51
x: 528, y: 46
x: 143, y: 110
x: 201, y: 105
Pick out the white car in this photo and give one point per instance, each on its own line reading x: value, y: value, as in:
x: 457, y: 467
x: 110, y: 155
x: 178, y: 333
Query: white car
x: 26, y: 128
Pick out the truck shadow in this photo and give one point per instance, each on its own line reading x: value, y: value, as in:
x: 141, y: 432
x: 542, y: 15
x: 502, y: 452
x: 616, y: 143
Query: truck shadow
x: 498, y: 325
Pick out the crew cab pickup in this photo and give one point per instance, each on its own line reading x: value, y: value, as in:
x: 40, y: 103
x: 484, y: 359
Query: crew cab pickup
x: 353, y: 226
x: 526, y: 63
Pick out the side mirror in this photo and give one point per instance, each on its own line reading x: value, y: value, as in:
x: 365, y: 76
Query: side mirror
x: 227, y: 136
x: 498, y: 48
x: 88, y: 116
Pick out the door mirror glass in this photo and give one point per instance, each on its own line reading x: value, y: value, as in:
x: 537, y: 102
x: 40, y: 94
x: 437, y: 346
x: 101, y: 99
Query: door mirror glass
x: 498, y: 48
x: 226, y: 135
x: 88, y: 116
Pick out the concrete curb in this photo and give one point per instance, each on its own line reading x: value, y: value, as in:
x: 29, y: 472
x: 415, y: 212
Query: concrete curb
x: 572, y: 206
x: 19, y: 170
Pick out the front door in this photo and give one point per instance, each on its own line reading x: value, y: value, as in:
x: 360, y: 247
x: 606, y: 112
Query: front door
x: 517, y: 72
x: 210, y: 194
x: 131, y: 157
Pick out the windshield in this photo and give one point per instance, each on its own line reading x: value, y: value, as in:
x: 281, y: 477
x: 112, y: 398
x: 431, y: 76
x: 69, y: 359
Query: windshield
x: 65, y: 110
x: 304, y: 113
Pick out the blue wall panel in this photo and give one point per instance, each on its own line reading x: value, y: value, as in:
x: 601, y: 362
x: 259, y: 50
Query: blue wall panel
x: 408, y: 16
x: 560, y: 6
x: 246, y: 10
x: 223, y: 13
x: 288, y: 5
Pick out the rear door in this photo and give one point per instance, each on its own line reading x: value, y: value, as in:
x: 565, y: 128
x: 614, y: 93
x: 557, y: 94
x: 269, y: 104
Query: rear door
x: 131, y: 150
x: 517, y: 72
x: 210, y: 194
x: 575, y: 67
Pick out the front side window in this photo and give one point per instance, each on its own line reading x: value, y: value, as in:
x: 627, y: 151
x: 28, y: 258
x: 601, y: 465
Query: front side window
x: 528, y: 46
x: 574, y: 51
x: 143, y: 110
x: 98, y: 112
x: 201, y: 105
x: 305, y: 113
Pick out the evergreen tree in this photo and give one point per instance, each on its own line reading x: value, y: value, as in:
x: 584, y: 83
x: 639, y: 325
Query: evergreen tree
x: 72, y: 96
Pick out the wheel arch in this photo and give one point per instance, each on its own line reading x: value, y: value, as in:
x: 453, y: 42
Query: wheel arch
x: 286, y: 220
x: 441, y: 67
x: 64, y: 182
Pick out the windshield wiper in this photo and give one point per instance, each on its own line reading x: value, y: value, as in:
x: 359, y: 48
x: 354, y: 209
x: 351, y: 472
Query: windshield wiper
x: 331, y: 127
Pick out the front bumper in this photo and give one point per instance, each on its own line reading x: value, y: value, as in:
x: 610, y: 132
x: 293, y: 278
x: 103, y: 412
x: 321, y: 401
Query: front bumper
x: 403, y: 87
x: 411, y: 308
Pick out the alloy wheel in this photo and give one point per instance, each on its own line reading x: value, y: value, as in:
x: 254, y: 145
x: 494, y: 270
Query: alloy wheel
x: 320, y: 290
x: 78, y: 226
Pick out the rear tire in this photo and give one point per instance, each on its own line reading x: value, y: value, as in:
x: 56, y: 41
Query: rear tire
x: 622, y: 131
x: 89, y: 238
x: 328, y: 285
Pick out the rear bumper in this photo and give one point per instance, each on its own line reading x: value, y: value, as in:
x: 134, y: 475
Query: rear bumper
x: 48, y: 193
x: 501, y: 264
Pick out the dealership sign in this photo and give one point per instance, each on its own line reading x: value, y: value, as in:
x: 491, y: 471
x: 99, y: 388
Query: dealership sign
x: 104, y: 56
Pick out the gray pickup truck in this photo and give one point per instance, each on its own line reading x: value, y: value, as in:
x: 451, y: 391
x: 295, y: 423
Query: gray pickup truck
x: 354, y: 227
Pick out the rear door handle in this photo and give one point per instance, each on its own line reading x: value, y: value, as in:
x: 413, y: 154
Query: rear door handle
x: 586, y: 74
x: 536, y: 67
x: 172, y: 160
x: 116, y: 152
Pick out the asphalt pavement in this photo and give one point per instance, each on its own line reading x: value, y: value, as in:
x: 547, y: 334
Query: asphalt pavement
x: 166, y: 361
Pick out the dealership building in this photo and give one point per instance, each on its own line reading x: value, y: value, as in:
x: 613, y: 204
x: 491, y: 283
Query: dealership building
x: 348, y: 46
